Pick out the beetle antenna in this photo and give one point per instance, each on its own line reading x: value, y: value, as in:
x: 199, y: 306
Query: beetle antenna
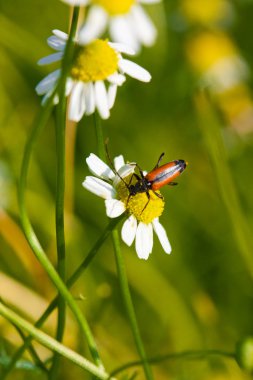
x: 111, y: 163
x: 159, y: 160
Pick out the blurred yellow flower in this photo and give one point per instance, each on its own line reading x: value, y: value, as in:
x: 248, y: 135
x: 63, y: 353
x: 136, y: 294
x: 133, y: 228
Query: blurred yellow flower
x: 214, y: 56
x: 205, y: 49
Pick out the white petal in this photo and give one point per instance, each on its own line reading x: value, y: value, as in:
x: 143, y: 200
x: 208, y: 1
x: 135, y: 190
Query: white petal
x: 47, y: 95
x: 99, y: 187
x: 76, y: 102
x: 134, y: 70
x: 144, y: 240
x: 50, y: 58
x: 144, y: 27
x: 162, y: 235
x: 69, y: 86
x: 114, y: 208
x: 118, y: 162
x: 76, y: 2
x: 112, y: 91
x: 94, y: 25
x: 129, y: 230
x: 116, y: 78
x: 56, y: 43
x: 122, y: 48
x: 62, y: 35
x: 47, y: 83
x: 89, y: 95
x: 98, y: 167
x: 121, y: 31
x: 101, y: 99
x: 124, y: 171
x: 127, y: 169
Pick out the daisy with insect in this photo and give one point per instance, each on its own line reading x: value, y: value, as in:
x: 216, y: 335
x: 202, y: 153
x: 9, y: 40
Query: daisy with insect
x: 96, y: 71
x: 138, y: 196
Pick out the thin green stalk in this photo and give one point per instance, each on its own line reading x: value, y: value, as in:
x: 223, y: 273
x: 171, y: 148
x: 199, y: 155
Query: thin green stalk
x: 60, y: 187
x: 100, y: 136
x: 71, y: 281
x: 188, y: 355
x: 38, y: 362
x: 211, y: 131
x: 129, y: 304
x: 52, y: 273
x: 39, y: 252
x: 121, y: 267
x: 52, y: 344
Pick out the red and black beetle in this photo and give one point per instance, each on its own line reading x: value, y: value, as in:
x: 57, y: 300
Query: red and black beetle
x: 157, y: 178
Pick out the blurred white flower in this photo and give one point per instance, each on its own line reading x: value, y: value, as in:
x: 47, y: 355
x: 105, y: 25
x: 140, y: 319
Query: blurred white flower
x: 97, y: 70
x: 76, y: 2
x: 126, y: 21
x: 142, y: 219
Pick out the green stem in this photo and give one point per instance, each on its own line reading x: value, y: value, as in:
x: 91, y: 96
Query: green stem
x: 100, y: 137
x: 35, y: 244
x: 211, y: 131
x: 60, y: 186
x: 52, y: 344
x: 129, y: 304
x: 194, y: 355
x: 121, y: 267
x: 71, y: 281
x: 38, y: 362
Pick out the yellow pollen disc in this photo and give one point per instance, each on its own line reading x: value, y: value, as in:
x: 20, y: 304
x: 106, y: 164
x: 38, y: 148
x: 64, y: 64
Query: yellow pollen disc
x: 145, y: 210
x: 115, y: 7
x: 94, y: 62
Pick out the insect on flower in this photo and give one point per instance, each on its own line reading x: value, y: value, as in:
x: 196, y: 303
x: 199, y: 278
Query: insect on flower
x: 136, y: 195
x: 155, y: 179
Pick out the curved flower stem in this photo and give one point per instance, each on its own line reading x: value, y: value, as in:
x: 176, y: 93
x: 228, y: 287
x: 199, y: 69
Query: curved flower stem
x: 211, y: 132
x: 35, y: 244
x: 60, y: 184
x: 129, y: 304
x: 71, y: 281
x: 189, y: 355
x: 52, y: 344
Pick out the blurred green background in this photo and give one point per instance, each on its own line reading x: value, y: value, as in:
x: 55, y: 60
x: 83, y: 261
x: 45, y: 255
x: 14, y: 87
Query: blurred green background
x: 200, y: 296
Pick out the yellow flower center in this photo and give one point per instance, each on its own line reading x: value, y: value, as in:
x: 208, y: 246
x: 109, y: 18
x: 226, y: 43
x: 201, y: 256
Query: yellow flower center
x: 115, y: 7
x: 94, y: 62
x: 145, y: 210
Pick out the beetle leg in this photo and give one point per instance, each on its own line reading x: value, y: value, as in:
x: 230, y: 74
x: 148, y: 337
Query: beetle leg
x: 148, y: 195
x: 172, y: 184
x: 158, y: 195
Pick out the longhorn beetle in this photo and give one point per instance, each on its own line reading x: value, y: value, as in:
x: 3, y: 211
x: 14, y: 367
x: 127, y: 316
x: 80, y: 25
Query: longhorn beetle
x: 155, y: 179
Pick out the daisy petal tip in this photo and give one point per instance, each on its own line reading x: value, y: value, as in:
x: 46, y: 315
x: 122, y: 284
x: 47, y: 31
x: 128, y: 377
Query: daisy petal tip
x: 114, y: 208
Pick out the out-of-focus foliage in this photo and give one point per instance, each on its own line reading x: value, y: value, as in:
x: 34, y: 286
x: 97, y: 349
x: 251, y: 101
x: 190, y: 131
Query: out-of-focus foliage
x: 201, y: 296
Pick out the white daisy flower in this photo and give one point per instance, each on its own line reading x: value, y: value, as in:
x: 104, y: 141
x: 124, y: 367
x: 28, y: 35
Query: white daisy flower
x: 143, y: 215
x: 97, y: 70
x: 126, y: 20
